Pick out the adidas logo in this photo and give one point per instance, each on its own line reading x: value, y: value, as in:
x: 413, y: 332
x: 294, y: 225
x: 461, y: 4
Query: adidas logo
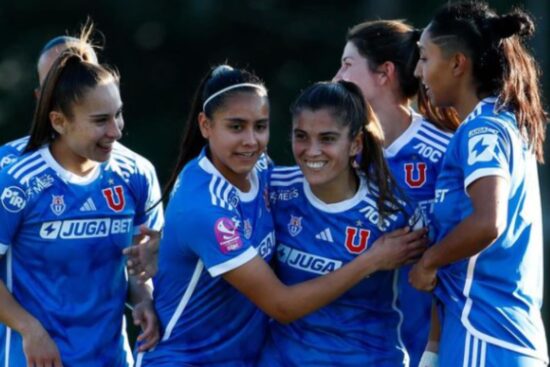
x: 324, y: 235
x: 88, y: 206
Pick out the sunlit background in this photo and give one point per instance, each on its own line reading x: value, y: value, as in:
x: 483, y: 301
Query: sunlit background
x: 162, y: 49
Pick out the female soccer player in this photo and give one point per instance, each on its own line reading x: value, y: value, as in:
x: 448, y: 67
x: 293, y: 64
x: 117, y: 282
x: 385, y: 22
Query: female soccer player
x: 327, y: 212
x: 219, y: 237
x: 380, y: 57
x: 487, y: 259
x: 70, y: 204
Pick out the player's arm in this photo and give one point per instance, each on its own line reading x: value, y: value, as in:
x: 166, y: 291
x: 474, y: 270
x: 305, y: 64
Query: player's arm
x: 257, y: 281
x: 489, y: 197
x: 38, y: 346
x: 143, y: 312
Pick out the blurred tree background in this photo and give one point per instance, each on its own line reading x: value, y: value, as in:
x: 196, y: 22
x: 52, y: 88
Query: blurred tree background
x: 162, y: 48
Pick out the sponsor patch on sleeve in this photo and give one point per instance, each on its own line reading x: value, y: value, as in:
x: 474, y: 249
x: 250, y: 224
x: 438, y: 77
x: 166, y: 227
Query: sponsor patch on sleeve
x: 13, y: 199
x: 482, y: 148
x: 227, y: 235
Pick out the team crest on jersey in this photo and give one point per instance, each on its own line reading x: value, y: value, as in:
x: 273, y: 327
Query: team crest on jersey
x: 415, y: 174
x: 482, y: 148
x: 58, y: 204
x: 247, y: 228
x: 295, y: 225
x: 227, y: 235
x: 114, y: 196
x: 356, y: 244
x: 13, y: 199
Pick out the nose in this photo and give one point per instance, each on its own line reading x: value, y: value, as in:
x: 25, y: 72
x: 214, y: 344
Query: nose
x: 338, y: 76
x: 249, y: 137
x: 313, y: 149
x: 115, y: 128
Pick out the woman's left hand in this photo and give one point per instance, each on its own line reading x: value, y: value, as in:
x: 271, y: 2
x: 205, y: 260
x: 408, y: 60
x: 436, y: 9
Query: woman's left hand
x: 144, y: 315
x: 422, y: 277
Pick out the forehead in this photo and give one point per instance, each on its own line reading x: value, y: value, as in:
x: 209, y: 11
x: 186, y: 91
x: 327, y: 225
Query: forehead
x: 244, y: 103
x: 318, y: 121
x: 350, y: 51
x: 103, y: 98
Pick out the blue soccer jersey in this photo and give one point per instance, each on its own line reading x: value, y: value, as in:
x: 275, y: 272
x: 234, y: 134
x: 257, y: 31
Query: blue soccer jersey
x: 62, y: 236
x: 361, y: 328
x: 497, y: 294
x: 415, y: 160
x: 211, y: 228
x: 10, y: 151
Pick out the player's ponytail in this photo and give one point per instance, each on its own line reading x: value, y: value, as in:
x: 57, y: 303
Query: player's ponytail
x: 69, y: 78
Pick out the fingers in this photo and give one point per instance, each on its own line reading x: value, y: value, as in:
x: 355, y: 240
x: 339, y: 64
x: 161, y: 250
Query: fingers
x: 131, y: 251
x: 150, y: 333
x: 146, y: 231
x: 398, y: 232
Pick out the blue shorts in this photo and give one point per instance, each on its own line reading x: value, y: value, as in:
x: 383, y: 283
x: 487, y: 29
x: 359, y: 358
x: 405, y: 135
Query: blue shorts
x: 459, y: 348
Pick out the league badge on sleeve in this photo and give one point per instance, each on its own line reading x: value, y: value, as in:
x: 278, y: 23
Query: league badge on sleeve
x: 295, y: 225
x: 227, y: 235
x: 482, y: 148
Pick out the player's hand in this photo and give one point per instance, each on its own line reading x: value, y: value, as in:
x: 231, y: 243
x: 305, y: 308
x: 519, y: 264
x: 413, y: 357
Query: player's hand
x: 422, y: 277
x: 143, y: 254
x: 144, y: 316
x: 39, y: 348
x: 398, y: 247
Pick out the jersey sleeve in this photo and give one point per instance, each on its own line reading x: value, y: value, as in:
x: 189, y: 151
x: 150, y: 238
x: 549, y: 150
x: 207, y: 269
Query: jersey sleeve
x: 148, y: 211
x: 485, y: 150
x: 14, y: 201
x: 216, y: 235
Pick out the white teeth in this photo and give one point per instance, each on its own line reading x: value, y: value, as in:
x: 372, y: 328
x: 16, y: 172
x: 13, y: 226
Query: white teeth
x: 316, y: 165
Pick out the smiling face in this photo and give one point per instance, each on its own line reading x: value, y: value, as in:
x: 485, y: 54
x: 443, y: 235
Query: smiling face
x: 86, y: 137
x: 435, y: 70
x: 355, y: 69
x: 323, y: 150
x: 237, y: 135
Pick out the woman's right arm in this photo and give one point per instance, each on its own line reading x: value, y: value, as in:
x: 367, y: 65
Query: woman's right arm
x: 39, y: 348
x: 257, y: 281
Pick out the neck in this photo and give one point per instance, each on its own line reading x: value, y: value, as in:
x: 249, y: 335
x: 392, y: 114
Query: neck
x: 394, y: 119
x: 466, y: 105
x: 71, y: 161
x: 338, y: 190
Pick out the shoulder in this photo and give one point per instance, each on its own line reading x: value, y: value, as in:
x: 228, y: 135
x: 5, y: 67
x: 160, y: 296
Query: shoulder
x: 127, y: 162
x: 11, y: 150
x: 284, y: 176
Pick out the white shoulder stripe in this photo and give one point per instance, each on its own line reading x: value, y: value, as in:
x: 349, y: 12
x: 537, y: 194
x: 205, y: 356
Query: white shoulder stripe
x: 287, y: 183
x: 431, y: 142
x: 285, y: 169
x: 25, y: 179
x: 286, y: 175
x: 436, y: 134
x: 435, y: 139
x: 184, y: 300
x: 435, y: 129
x: 23, y: 164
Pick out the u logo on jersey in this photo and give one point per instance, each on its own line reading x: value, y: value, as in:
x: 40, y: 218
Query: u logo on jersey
x: 353, y: 244
x: 118, y: 203
x: 415, y: 178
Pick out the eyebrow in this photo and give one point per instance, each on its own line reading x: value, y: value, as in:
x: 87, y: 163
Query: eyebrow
x: 98, y: 115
